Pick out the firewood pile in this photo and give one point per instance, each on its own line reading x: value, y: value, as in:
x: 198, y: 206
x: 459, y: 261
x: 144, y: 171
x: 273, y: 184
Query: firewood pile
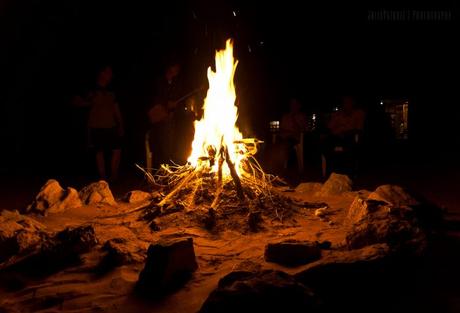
x: 250, y: 193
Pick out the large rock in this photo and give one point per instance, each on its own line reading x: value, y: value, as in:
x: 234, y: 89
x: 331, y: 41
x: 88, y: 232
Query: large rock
x: 18, y: 234
x: 362, y: 207
x: 292, y: 252
x: 52, y: 198
x: 169, y: 264
x: 335, y: 185
x: 396, y: 226
x: 136, y: 196
x: 386, y: 216
x: 98, y: 192
x: 121, y: 251
x: 57, y: 252
x: 262, y: 291
x: 429, y: 216
x: 374, y: 278
x: 393, y: 195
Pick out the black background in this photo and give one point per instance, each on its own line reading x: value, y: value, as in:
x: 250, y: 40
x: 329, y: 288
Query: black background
x: 50, y: 51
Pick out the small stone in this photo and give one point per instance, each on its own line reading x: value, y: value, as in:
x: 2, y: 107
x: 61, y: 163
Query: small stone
x: 335, y: 185
x: 121, y: 251
x: 98, y: 192
x: 361, y: 207
x: 169, y: 264
x: 292, y: 252
x: 136, y: 196
x: 52, y: 198
x: 18, y: 234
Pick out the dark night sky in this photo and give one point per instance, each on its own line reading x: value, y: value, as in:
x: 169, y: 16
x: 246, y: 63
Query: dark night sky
x: 50, y: 50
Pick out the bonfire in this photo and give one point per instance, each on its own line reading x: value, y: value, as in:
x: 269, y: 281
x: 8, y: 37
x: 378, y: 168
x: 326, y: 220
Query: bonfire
x: 222, y: 173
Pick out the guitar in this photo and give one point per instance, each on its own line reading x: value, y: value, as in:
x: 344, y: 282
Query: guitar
x: 162, y: 112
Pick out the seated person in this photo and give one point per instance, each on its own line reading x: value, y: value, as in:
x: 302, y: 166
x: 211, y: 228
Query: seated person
x: 348, y: 121
x: 293, y: 123
x: 344, y: 128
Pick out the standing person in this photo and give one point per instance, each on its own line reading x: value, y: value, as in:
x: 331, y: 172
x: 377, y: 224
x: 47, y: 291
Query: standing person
x: 105, y: 123
x: 161, y: 115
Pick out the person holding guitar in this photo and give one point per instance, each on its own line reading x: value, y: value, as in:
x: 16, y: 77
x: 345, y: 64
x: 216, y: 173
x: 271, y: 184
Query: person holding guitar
x: 171, y: 116
x: 161, y: 115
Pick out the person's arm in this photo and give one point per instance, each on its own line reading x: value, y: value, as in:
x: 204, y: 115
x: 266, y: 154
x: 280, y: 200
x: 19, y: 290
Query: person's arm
x: 80, y: 101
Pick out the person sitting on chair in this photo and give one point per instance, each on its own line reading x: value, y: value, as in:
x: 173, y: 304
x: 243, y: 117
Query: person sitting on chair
x: 292, y: 125
x: 345, y: 127
x: 347, y: 121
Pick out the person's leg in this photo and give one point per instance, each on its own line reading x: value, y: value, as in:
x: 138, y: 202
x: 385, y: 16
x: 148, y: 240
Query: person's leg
x: 100, y: 162
x: 115, y: 164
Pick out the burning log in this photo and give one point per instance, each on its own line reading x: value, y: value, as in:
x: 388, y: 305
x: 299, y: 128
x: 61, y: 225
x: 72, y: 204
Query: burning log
x: 234, y: 174
x: 184, y: 182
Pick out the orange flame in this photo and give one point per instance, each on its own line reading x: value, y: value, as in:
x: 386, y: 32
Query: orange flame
x: 218, y: 124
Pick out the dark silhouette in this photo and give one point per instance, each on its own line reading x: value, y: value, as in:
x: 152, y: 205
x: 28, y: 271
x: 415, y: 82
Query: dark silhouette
x: 105, y: 123
x: 162, y: 115
x: 293, y: 125
x: 341, y: 143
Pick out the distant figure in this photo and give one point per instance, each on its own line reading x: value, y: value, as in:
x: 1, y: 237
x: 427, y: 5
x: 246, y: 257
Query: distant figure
x: 292, y: 125
x: 347, y: 121
x: 105, y: 123
x: 161, y: 115
x: 340, y: 145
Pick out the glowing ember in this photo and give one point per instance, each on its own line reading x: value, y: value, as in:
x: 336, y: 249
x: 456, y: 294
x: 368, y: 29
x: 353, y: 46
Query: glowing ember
x: 218, y: 128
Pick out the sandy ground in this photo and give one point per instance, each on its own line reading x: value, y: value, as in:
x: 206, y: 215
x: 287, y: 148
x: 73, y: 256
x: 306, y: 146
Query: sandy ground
x: 81, y: 289
x: 84, y: 291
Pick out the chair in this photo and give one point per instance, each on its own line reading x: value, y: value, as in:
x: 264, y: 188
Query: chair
x: 298, y: 150
x: 343, y: 149
x: 148, y: 153
x: 299, y: 153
